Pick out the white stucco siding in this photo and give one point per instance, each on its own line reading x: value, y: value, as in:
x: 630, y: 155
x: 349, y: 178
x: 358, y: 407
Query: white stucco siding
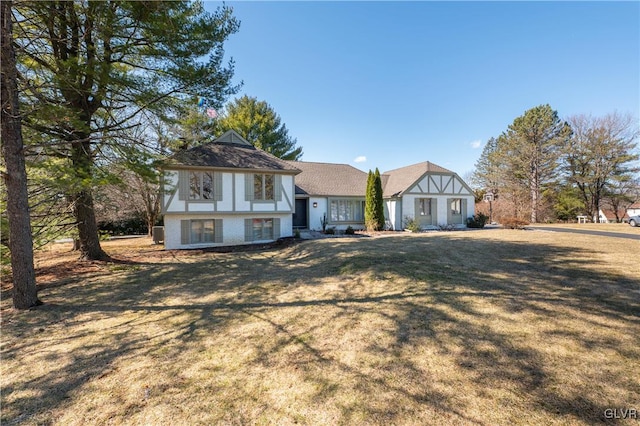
x: 228, y: 184
x: 170, y: 199
x: 287, y: 203
x: 633, y: 212
x: 316, y: 213
x: 233, y: 196
x: 442, y: 207
x: 240, y: 204
x: 393, y: 214
x: 233, y: 229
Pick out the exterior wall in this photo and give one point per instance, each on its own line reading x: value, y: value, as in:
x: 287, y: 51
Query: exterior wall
x: 442, y: 208
x: 232, y: 229
x: 231, y: 208
x: 442, y: 188
x: 232, y: 200
x: 393, y: 214
x: 633, y: 211
x: 316, y: 213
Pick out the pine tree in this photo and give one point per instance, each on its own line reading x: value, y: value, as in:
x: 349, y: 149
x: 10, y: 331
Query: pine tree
x: 259, y: 124
x: 529, y: 152
x: 25, y: 293
x: 90, y: 70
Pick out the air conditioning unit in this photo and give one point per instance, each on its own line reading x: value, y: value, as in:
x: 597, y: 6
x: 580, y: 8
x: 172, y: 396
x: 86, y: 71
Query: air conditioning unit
x: 158, y: 234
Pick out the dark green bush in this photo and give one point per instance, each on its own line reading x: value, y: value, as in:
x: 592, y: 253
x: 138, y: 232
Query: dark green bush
x: 349, y: 230
x: 133, y: 226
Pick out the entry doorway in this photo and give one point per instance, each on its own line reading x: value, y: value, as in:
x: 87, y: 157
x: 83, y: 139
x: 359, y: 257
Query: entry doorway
x: 300, y: 217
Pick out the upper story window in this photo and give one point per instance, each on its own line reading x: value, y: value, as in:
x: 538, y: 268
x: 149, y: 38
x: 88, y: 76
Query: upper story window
x: 263, y: 187
x: 201, y: 185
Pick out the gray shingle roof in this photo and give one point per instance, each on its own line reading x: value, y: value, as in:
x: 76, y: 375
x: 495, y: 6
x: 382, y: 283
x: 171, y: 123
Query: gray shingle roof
x: 229, y: 151
x: 399, y: 180
x: 326, y: 179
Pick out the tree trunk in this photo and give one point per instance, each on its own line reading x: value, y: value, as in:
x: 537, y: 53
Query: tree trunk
x: 82, y: 200
x: 25, y: 294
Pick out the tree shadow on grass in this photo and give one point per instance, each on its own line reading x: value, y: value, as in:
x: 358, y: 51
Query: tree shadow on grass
x: 429, y: 293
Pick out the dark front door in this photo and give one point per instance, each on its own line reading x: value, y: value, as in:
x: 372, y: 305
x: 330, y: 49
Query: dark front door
x: 300, y: 216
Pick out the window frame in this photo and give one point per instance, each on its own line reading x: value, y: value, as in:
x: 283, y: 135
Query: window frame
x: 203, y: 231
x: 454, y: 211
x: 263, y: 226
x: 203, y: 186
x: 264, y: 187
x: 421, y: 204
x: 352, y: 206
x: 209, y: 233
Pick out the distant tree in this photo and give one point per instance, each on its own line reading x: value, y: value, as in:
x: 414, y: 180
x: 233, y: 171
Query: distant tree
x: 486, y: 173
x: 601, y: 154
x: 621, y: 193
x: 529, y: 151
x: 259, y: 124
x: 192, y: 127
x: 567, y: 203
x: 20, y: 242
x: 89, y: 69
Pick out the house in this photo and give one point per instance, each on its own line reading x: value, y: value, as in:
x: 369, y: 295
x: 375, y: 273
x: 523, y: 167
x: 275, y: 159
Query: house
x: 608, y: 215
x: 226, y: 192
x: 634, y: 209
x: 428, y: 193
x: 332, y: 191
x: 431, y: 194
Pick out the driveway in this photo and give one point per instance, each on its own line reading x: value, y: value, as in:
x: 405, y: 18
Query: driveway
x: 587, y: 232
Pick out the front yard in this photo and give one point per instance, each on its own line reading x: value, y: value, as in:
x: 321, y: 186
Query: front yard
x: 483, y: 327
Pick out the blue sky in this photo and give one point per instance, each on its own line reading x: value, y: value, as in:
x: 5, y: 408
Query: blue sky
x: 403, y: 82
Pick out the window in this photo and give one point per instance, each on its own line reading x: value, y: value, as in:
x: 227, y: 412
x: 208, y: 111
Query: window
x: 424, y: 206
x: 202, y: 231
x: 262, y: 229
x: 346, y: 210
x: 263, y: 187
x: 200, y: 185
x: 456, y: 206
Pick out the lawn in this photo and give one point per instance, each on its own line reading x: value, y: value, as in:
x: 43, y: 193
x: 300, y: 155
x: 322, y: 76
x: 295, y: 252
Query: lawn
x: 490, y: 327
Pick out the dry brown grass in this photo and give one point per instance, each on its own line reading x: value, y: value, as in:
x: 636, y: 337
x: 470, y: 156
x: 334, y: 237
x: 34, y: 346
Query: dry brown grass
x: 484, y: 327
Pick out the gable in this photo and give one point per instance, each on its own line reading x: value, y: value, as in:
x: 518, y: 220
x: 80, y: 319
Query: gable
x: 440, y: 184
x: 414, y: 179
x: 232, y: 137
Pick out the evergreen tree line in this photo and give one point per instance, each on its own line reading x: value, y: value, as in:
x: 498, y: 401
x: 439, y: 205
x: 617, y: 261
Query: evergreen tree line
x: 543, y: 168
